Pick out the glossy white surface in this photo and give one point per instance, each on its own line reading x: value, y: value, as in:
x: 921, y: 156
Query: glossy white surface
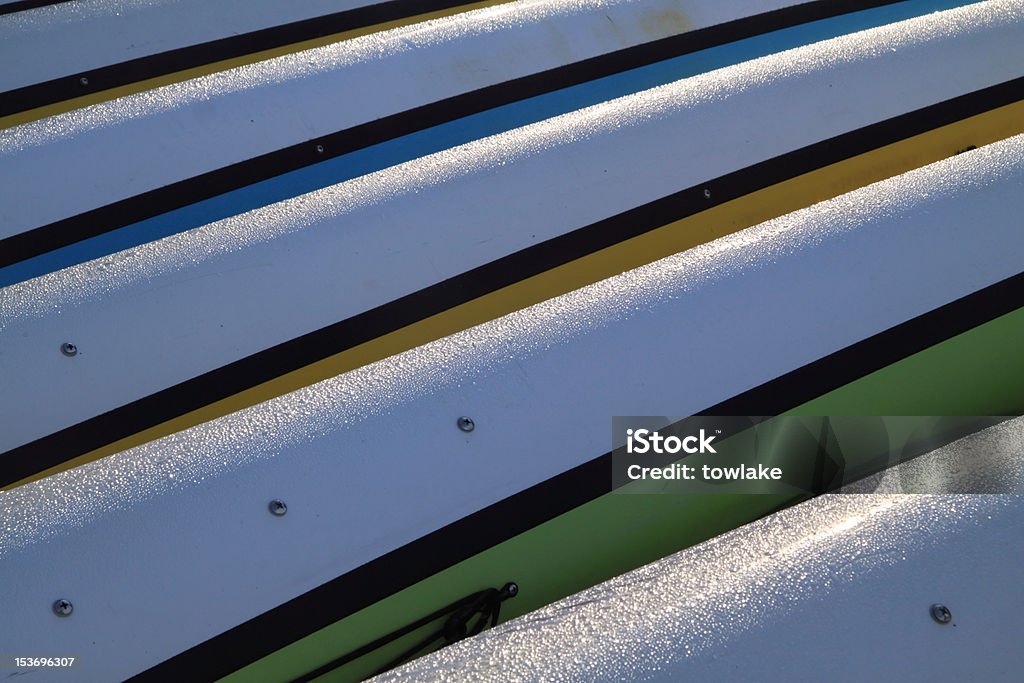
x: 162, y: 525
x: 159, y: 314
x: 838, y: 588
x: 73, y: 37
x: 87, y: 158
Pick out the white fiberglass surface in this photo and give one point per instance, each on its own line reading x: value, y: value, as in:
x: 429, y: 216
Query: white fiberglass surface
x: 838, y: 588
x: 156, y: 315
x: 540, y: 385
x: 210, y: 122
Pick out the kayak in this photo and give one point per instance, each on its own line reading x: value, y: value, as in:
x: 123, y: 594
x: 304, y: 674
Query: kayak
x: 221, y: 320
x: 351, y: 519
x: 737, y: 605
x: 301, y: 385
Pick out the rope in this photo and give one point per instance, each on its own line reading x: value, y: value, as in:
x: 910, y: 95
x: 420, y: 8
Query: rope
x: 485, y: 605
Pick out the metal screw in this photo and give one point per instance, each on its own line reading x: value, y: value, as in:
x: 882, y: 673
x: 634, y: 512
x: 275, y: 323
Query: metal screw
x: 83, y: 80
x: 278, y: 508
x: 63, y: 608
x: 511, y: 589
x: 68, y: 349
x: 941, y: 614
x: 707, y: 193
x: 319, y: 149
x: 466, y: 424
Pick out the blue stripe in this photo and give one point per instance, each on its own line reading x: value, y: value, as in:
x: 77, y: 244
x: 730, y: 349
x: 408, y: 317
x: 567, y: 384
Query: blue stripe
x: 438, y: 138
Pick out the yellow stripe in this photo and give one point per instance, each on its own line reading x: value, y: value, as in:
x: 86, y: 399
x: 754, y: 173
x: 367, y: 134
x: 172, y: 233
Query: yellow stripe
x: 177, y: 77
x: 816, y: 186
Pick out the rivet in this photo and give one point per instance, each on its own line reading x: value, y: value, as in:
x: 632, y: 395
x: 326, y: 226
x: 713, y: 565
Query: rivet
x: 511, y: 589
x: 63, y: 608
x: 941, y: 614
x: 466, y: 424
x: 83, y: 80
x: 277, y: 508
x: 707, y: 193
x: 319, y: 149
x: 68, y: 349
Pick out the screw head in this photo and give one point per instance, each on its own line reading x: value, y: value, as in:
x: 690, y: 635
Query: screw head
x: 511, y: 589
x: 466, y: 424
x: 277, y: 508
x: 941, y: 614
x: 63, y: 608
x: 319, y: 149
x: 68, y: 349
x: 83, y: 80
x: 707, y: 193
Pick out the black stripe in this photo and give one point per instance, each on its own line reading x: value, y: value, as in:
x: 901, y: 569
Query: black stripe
x: 22, y: 5
x: 493, y: 525
x: 139, y: 207
x: 51, y: 450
